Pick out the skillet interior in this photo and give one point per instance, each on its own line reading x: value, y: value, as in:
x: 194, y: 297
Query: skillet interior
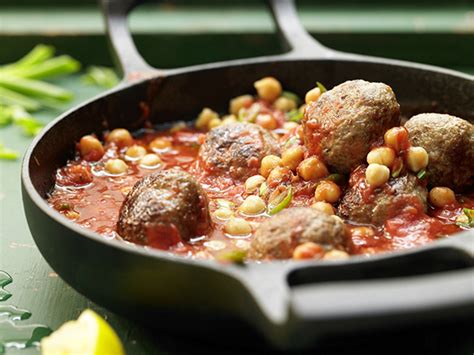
x: 155, y: 286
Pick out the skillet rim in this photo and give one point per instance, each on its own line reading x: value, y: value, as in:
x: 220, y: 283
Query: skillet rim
x: 153, y: 74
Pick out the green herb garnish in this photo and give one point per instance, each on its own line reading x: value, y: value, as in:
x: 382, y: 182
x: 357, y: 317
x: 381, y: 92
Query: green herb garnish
x: 100, y: 76
x: 292, y: 96
x: 421, y: 174
x: 281, y: 201
x: 337, y: 178
x: 263, y: 189
x: 295, y: 115
x: 469, y: 218
x: 321, y: 87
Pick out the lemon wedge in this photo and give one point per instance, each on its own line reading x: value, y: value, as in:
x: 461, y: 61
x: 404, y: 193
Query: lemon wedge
x: 90, y: 334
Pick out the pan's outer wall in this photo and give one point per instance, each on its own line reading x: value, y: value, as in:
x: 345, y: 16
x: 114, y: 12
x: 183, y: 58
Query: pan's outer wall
x: 145, y: 286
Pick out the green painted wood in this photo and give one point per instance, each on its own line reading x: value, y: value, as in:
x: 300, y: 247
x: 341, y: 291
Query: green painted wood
x: 148, y: 18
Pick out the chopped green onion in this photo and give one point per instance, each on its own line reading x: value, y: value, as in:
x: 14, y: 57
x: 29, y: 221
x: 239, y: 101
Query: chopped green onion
x: 263, y: 189
x: 234, y: 256
x: 337, y: 178
x: 38, y: 54
x: 100, y: 76
x: 281, y: 201
x: 321, y: 87
x: 292, y: 96
x: 8, y: 154
x: 53, y: 67
x: 421, y: 174
x: 9, y: 97
x: 34, y: 88
x: 295, y: 115
x: 469, y: 213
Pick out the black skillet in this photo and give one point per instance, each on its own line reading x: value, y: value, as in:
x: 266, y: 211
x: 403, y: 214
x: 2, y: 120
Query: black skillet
x: 292, y: 303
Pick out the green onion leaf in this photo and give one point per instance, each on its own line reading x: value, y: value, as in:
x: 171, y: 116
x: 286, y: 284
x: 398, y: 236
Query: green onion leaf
x: 234, y: 256
x: 38, y: 54
x: 53, y: 67
x: 8, y: 154
x: 337, y: 178
x: 100, y: 76
x: 9, y: 97
x: 281, y: 201
x: 421, y: 174
x: 468, y: 220
x: 321, y: 87
x: 292, y: 96
x: 34, y: 88
x: 295, y: 115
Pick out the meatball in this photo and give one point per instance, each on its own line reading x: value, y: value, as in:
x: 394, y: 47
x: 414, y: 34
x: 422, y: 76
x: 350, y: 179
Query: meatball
x: 277, y: 237
x: 363, y: 204
x: 164, y: 208
x: 343, y: 123
x: 449, y: 141
x: 237, y: 149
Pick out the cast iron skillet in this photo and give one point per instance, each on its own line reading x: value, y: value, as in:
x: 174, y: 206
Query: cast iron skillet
x: 291, y: 303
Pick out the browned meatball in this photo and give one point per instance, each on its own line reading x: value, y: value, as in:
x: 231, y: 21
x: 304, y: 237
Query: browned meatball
x: 363, y: 204
x: 277, y: 237
x: 237, y: 149
x: 164, y: 208
x: 344, y: 122
x: 449, y: 141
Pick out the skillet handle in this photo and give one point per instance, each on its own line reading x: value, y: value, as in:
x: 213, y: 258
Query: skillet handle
x: 291, y: 30
x: 128, y: 59
x: 357, y: 297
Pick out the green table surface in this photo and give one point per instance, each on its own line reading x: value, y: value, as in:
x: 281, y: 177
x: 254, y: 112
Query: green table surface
x: 36, y: 287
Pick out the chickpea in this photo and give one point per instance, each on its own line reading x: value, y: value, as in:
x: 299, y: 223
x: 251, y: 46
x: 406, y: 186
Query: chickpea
x: 239, y: 102
x: 268, y: 164
x: 150, y: 161
x: 116, y: 166
x: 362, y: 232
x: 323, y: 207
x: 292, y: 157
x: 90, y: 148
x: 397, y: 138
x: 252, y: 205
x: 238, y: 227
x: 308, y: 250
x: 160, y: 144
x: 284, y: 104
x: 290, y: 125
x: 312, y: 168
x: 327, y: 191
x: 205, y: 117
x: 312, y: 95
x: 121, y: 137
x: 135, y: 152
x: 376, y: 175
x: 442, y: 196
x: 253, y: 183
x: 266, y: 121
x: 268, y: 88
x: 336, y: 255
x: 215, y: 122
x: 278, y: 174
x: 229, y: 119
x: 417, y: 158
x: 382, y: 155
x: 223, y: 214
